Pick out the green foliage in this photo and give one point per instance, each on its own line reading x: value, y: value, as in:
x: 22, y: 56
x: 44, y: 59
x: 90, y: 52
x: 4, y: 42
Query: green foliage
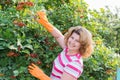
x: 102, y: 66
x: 23, y: 40
x: 109, y: 27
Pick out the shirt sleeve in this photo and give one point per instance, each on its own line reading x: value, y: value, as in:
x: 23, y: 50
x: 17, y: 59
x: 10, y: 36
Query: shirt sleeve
x: 74, y: 68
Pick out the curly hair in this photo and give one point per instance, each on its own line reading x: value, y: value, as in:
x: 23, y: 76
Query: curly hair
x: 85, y: 40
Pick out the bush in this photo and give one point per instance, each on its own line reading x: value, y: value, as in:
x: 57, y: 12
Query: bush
x: 23, y: 40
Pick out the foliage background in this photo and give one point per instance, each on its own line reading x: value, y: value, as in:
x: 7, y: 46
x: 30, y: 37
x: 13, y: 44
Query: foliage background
x: 23, y: 40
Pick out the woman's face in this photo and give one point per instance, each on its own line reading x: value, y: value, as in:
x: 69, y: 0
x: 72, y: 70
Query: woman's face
x: 74, y: 42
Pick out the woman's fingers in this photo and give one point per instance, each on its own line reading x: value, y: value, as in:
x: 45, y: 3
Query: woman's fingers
x: 32, y: 66
x: 41, y: 13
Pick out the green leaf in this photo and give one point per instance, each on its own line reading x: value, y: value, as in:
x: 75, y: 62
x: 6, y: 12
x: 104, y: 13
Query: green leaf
x: 19, y: 43
x: 26, y: 51
x: 12, y: 47
x: 1, y: 39
x: 28, y: 46
x: 22, y: 69
x: 16, y: 72
x: 1, y: 47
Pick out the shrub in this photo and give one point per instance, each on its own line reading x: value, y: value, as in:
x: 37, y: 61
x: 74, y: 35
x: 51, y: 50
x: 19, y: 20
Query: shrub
x: 23, y: 40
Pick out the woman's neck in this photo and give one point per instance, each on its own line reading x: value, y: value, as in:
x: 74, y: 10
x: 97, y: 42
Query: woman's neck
x: 72, y: 52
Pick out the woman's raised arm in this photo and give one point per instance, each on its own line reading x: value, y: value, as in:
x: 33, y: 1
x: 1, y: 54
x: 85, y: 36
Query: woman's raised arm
x: 49, y: 27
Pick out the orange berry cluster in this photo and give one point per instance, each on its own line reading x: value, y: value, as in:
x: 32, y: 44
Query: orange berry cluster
x: 19, y: 23
x: 22, y: 5
x: 12, y: 54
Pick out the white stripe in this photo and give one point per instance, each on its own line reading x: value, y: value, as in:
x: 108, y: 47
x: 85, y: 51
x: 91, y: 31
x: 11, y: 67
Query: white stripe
x: 72, y: 72
x: 54, y: 78
x: 77, y: 65
x: 58, y: 65
x: 64, y: 59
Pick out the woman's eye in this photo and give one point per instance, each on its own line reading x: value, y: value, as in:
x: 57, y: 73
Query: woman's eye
x: 77, y: 40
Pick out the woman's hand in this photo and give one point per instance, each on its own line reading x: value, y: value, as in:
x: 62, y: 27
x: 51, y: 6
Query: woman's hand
x: 37, y: 72
x: 44, y: 21
x: 42, y: 17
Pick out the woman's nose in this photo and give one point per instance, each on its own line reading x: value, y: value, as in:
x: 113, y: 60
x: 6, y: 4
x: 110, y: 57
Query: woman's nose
x: 73, y: 41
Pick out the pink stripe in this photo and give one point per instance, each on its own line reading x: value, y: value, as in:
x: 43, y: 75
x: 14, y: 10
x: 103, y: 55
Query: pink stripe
x: 74, y: 68
x: 78, y: 61
x: 56, y: 69
x: 69, y: 59
x: 66, y: 50
x: 55, y: 75
x: 78, y: 55
x: 60, y: 60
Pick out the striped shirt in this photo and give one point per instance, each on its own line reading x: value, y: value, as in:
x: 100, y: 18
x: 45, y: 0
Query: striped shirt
x: 71, y: 64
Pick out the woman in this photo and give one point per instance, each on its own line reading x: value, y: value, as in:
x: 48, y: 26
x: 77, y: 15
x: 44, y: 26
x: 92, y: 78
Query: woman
x: 76, y: 44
